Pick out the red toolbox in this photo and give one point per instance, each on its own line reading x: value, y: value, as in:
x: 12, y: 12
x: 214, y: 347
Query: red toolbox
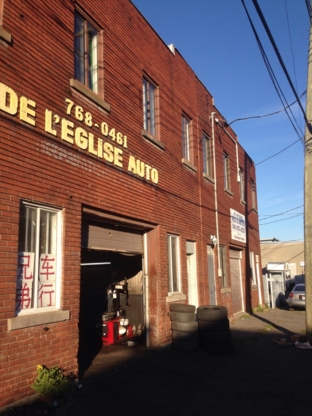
x: 110, y: 331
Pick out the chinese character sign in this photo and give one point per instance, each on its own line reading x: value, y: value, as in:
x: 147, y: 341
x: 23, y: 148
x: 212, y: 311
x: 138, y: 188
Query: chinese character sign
x: 46, y: 289
x: 24, y: 281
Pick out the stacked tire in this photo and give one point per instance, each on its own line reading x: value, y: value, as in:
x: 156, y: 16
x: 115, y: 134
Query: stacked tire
x: 184, y: 327
x: 214, y: 334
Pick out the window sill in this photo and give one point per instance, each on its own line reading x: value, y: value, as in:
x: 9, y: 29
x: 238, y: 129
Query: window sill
x: 228, y: 192
x: 148, y: 136
x: 254, y: 210
x: 226, y: 290
x: 243, y: 202
x: 175, y: 297
x: 89, y: 94
x: 4, y: 35
x: 35, y: 319
x: 254, y: 287
x: 189, y: 165
x: 208, y: 178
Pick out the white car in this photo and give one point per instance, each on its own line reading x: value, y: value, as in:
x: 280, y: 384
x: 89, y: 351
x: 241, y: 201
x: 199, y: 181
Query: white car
x: 296, y: 298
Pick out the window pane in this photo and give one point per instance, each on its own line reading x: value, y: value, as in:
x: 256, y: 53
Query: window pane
x: 86, y: 53
x: 144, y: 85
x: 79, y: 48
x: 37, y: 259
x: 149, y: 117
x: 185, y: 138
x: 207, y: 155
x: 92, y: 58
x: 152, y: 108
x: 174, y: 264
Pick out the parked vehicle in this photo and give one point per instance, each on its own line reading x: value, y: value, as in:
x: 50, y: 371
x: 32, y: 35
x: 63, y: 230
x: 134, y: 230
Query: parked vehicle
x: 296, y: 298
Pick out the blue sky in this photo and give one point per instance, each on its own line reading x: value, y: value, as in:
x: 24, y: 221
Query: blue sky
x: 216, y: 39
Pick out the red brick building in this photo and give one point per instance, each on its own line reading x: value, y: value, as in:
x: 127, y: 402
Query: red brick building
x: 118, y: 177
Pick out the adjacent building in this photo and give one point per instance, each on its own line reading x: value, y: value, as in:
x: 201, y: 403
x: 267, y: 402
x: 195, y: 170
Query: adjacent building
x: 121, y: 186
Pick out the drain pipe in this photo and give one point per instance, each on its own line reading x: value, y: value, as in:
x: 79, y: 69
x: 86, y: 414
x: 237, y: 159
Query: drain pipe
x: 215, y: 190
x: 236, y: 149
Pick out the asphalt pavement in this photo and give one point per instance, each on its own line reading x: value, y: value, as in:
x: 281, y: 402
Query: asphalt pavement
x: 261, y: 377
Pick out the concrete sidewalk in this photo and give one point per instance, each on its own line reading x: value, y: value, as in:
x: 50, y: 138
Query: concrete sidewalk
x: 259, y: 378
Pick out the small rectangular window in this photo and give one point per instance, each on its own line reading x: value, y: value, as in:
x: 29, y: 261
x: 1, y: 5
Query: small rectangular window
x: 223, y: 265
x: 39, y: 257
x: 187, y: 150
x: 149, y: 107
x: 253, y: 195
x: 86, y: 53
x: 226, y: 167
x: 242, y: 184
x: 207, y: 155
x: 174, y: 284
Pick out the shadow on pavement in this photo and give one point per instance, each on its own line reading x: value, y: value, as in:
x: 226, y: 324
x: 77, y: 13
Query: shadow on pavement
x: 255, y: 379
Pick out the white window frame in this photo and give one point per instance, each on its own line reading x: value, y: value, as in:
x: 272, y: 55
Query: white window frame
x: 174, y: 274
x: 57, y: 251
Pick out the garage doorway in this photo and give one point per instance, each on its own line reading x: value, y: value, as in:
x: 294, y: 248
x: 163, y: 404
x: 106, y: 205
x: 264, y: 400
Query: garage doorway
x: 112, y: 287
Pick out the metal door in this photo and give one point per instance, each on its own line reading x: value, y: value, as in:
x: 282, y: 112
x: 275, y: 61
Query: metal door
x: 192, y: 273
x: 236, y: 281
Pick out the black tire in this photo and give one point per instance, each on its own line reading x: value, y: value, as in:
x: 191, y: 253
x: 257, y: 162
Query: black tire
x: 179, y: 307
x: 182, y: 317
x: 185, y: 336
x: 185, y: 346
x: 209, y: 338
x: 214, y: 326
x: 218, y: 349
x: 212, y: 313
x: 185, y: 326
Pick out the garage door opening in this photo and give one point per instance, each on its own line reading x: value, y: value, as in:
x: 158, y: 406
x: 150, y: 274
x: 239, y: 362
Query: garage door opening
x: 111, y: 295
x: 111, y: 302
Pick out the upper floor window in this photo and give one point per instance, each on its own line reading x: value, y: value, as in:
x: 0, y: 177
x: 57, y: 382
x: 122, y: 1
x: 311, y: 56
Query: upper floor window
x: 86, y: 53
x: 149, y: 107
x: 186, y: 138
x: 39, y: 259
x: 226, y: 169
x: 253, y: 195
x: 207, y: 154
x: 174, y: 283
x: 242, y: 184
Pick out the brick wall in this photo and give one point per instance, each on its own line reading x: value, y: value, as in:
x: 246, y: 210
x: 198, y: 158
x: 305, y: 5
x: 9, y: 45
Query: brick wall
x: 40, y: 167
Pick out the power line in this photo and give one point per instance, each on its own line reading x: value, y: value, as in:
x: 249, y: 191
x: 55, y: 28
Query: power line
x: 281, y: 213
x: 265, y: 115
x: 255, y: 2
x: 284, y: 219
x: 273, y: 77
x: 276, y: 154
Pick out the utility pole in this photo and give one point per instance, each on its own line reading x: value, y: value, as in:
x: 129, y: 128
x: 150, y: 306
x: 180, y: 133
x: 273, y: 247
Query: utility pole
x: 308, y: 196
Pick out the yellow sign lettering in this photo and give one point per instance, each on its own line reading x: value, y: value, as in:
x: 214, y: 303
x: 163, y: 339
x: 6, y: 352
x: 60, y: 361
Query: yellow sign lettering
x: 8, y: 100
